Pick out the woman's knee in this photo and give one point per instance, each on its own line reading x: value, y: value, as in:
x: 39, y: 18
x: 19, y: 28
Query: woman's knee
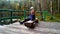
x: 36, y: 20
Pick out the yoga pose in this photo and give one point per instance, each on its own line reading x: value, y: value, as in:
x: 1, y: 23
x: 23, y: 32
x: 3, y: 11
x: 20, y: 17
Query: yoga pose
x: 31, y: 16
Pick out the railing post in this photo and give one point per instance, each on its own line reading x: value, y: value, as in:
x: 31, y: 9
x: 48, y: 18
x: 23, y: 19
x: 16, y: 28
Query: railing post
x: 24, y: 13
x: 11, y: 16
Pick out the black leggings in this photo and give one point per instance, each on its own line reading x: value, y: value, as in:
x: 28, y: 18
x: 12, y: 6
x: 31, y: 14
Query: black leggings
x: 36, y: 21
x: 26, y: 19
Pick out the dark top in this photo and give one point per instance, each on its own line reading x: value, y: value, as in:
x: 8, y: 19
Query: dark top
x: 32, y: 17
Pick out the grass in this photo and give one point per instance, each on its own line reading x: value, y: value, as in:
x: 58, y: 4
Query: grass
x: 55, y: 19
x: 48, y: 18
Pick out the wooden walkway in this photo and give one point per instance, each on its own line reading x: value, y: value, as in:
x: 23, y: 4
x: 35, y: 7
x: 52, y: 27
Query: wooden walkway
x: 42, y: 28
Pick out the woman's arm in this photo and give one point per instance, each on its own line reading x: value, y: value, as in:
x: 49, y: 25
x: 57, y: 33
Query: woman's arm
x: 32, y: 12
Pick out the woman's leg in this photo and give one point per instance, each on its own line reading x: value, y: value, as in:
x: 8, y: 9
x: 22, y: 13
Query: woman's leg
x: 25, y: 20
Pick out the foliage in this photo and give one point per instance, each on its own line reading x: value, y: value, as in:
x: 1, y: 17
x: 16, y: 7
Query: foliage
x: 55, y: 5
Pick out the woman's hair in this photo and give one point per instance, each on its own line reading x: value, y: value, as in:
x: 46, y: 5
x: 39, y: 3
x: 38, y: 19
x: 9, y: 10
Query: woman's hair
x: 31, y: 8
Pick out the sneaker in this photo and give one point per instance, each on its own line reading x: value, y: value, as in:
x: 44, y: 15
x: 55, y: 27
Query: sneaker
x: 21, y: 22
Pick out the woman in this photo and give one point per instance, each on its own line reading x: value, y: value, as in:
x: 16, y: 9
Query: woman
x: 32, y: 14
x: 31, y: 17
